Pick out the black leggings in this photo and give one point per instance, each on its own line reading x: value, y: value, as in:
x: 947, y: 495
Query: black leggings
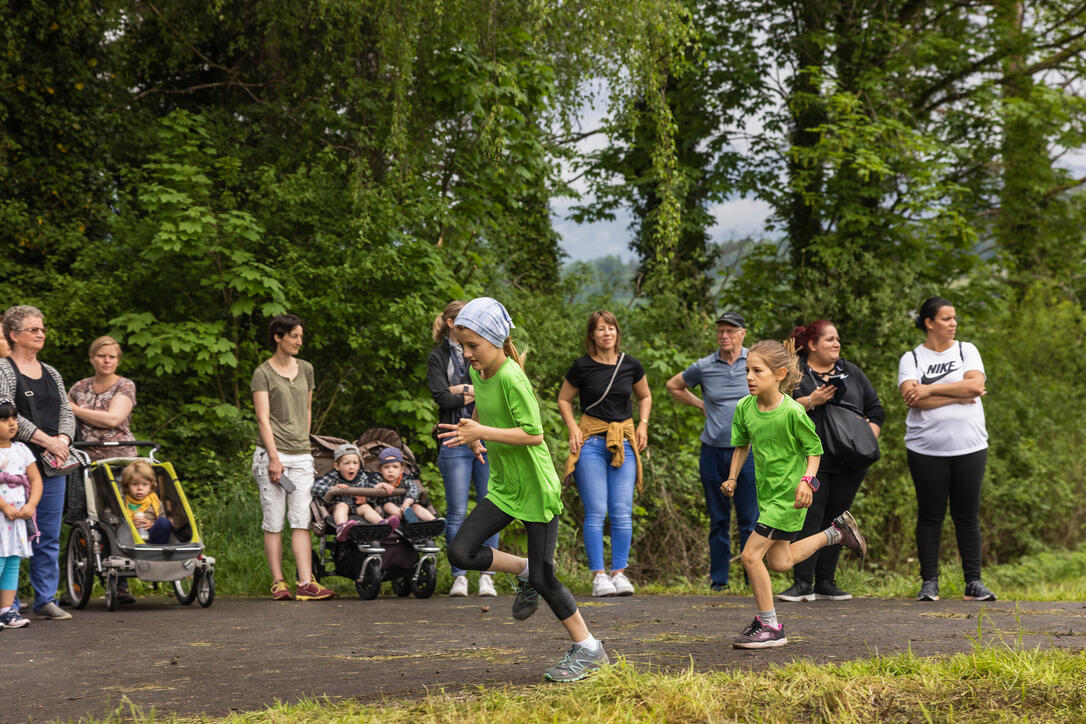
x: 468, y: 552
x: 833, y: 497
x: 937, y: 480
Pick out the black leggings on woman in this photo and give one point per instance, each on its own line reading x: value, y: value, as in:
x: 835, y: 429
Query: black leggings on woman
x: 468, y: 552
x: 937, y: 480
x: 833, y: 497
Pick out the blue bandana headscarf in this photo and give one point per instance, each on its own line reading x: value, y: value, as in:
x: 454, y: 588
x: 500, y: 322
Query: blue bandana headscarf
x: 487, y: 318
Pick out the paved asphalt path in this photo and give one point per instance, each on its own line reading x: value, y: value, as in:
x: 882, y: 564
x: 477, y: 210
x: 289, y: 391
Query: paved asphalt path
x: 242, y: 654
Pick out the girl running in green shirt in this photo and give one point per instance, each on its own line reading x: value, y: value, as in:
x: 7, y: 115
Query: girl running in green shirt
x: 786, y: 455
x: 523, y: 483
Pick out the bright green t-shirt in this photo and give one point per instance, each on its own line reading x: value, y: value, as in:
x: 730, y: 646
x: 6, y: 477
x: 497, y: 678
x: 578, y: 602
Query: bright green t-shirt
x: 523, y: 482
x: 781, y: 440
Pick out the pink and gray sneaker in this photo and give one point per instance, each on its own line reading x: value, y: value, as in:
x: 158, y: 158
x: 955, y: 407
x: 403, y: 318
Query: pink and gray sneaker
x: 760, y: 636
x: 344, y: 530
x: 850, y: 534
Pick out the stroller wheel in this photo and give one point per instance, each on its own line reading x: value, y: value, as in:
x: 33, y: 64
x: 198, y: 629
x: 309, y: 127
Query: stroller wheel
x: 111, y: 590
x: 184, y: 589
x: 80, y: 566
x: 368, y: 584
x: 426, y: 581
x: 205, y: 589
x: 401, y: 586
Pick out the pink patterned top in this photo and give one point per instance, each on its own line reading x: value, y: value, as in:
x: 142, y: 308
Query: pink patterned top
x: 82, y: 393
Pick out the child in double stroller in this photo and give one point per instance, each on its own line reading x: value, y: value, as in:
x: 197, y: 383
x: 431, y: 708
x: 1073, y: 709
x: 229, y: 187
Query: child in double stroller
x: 373, y: 524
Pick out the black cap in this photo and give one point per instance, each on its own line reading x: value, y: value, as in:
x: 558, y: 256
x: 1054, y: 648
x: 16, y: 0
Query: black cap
x: 733, y: 318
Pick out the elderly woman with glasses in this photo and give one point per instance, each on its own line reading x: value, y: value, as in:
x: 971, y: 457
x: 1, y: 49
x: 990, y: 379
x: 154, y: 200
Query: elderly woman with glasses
x: 47, y: 424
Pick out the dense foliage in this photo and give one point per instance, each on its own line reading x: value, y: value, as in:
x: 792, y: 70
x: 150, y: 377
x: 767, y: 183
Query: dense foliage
x: 175, y: 173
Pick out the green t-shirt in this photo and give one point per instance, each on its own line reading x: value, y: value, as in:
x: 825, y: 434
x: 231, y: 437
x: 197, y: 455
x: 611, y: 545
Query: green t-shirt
x: 781, y: 440
x: 288, y: 406
x: 523, y: 482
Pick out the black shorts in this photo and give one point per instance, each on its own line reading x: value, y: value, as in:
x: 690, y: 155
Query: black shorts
x: 773, y: 534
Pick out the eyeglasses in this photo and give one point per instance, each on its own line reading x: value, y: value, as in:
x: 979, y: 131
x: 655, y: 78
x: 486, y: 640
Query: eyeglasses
x: 34, y: 330
x: 730, y: 331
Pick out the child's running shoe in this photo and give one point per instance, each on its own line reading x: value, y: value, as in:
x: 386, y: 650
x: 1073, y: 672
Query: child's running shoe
x: 929, y: 590
x: 850, y: 534
x: 975, y: 591
x: 280, y: 592
x: 527, y: 600
x: 579, y: 662
x: 343, y: 531
x: 12, y: 619
x: 312, y: 591
x: 760, y: 636
x: 800, y: 591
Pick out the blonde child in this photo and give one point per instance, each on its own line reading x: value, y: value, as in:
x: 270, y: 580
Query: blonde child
x: 523, y: 483
x: 346, y: 499
x: 394, y: 475
x: 786, y: 456
x: 20, y: 491
x: 144, y: 505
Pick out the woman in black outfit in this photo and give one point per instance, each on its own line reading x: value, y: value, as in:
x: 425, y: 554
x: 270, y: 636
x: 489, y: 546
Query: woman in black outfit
x: 828, y: 379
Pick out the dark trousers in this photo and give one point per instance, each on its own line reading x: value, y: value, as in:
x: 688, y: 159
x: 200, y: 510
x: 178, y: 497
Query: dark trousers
x: 938, y: 480
x: 714, y: 464
x: 833, y: 497
x: 468, y: 552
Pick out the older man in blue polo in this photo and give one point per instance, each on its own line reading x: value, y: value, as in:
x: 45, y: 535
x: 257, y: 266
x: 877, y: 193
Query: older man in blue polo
x: 722, y: 377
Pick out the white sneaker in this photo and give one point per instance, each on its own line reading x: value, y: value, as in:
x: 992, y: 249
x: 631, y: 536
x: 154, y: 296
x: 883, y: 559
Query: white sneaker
x: 486, y: 586
x: 622, y: 584
x: 602, y: 585
x: 459, y: 586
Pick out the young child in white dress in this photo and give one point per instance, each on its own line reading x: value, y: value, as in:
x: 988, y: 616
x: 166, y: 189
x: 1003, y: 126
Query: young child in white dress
x: 20, y: 491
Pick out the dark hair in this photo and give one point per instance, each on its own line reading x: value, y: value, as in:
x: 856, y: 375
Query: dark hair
x: 928, y: 310
x: 440, y: 330
x: 7, y: 410
x: 811, y: 333
x: 601, y: 315
x: 281, y: 326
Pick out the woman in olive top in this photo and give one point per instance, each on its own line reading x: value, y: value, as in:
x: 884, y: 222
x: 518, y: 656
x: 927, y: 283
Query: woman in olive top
x: 282, y: 464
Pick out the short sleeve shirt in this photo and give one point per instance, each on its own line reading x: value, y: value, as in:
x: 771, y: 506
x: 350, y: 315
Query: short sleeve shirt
x: 952, y: 429
x: 13, y: 539
x: 723, y: 385
x: 84, y: 395
x: 591, y: 378
x: 523, y: 482
x: 288, y: 405
x: 781, y: 440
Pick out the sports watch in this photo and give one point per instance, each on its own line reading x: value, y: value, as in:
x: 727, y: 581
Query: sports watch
x: 812, y: 481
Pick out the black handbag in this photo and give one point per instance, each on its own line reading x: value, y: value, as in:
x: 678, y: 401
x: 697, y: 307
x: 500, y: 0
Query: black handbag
x: 849, y: 437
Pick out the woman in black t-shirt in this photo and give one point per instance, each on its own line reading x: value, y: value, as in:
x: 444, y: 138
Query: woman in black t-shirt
x: 605, y: 446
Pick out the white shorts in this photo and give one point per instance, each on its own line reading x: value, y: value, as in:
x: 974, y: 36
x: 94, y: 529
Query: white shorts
x: 276, y: 502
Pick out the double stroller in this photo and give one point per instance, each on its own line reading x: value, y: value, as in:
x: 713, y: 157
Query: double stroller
x: 104, y: 541
x: 372, y: 554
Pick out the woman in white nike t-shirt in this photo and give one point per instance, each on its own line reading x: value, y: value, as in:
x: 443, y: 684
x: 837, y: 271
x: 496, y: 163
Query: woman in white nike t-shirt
x: 942, y: 381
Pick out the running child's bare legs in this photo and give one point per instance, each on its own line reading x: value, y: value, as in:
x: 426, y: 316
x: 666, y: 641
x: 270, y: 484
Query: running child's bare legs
x: 780, y: 555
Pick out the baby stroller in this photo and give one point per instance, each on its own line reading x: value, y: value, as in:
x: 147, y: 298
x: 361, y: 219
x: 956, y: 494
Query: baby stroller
x: 106, y: 543
x: 373, y: 553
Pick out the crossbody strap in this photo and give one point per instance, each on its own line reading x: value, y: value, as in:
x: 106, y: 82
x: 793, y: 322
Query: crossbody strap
x: 608, y: 390
x: 23, y: 387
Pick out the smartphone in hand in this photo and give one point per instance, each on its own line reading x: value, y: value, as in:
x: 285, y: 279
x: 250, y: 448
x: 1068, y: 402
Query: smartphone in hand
x: 286, y: 483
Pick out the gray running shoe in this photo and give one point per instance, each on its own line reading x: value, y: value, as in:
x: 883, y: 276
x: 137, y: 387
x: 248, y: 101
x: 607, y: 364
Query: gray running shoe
x: 52, y: 611
x: 929, y: 590
x: 578, y: 663
x: 800, y: 591
x: 527, y: 600
x: 850, y: 534
x: 760, y: 636
x: 975, y: 591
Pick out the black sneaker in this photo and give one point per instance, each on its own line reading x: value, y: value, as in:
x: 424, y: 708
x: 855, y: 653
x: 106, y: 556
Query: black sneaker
x: 929, y: 590
x: 850, y: 534
x: 828, y: 591
x: 718, y: 587
x: 527, y: 600
x: 975, y: 591
x: 760, y: 636
x: 800, y: 591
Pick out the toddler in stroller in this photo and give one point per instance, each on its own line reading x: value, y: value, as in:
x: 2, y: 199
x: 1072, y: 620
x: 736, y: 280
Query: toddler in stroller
x: 368, y: 552
x: 345, y: 499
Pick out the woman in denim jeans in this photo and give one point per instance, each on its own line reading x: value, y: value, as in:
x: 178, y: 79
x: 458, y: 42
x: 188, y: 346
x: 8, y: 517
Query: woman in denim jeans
x: 605, y: 446
x: 447, y: 377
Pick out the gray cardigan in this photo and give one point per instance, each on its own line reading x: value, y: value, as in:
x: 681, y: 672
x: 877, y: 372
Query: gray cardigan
x: 8, y: 385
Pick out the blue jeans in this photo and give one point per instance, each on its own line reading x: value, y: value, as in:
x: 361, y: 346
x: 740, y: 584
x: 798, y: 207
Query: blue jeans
x: 45, y: 561
x: 714, y: 465
x: 459, y: 468
x: 606, y: 491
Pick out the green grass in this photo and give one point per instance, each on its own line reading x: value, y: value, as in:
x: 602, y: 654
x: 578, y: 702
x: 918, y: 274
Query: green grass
x: 993, y: 683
